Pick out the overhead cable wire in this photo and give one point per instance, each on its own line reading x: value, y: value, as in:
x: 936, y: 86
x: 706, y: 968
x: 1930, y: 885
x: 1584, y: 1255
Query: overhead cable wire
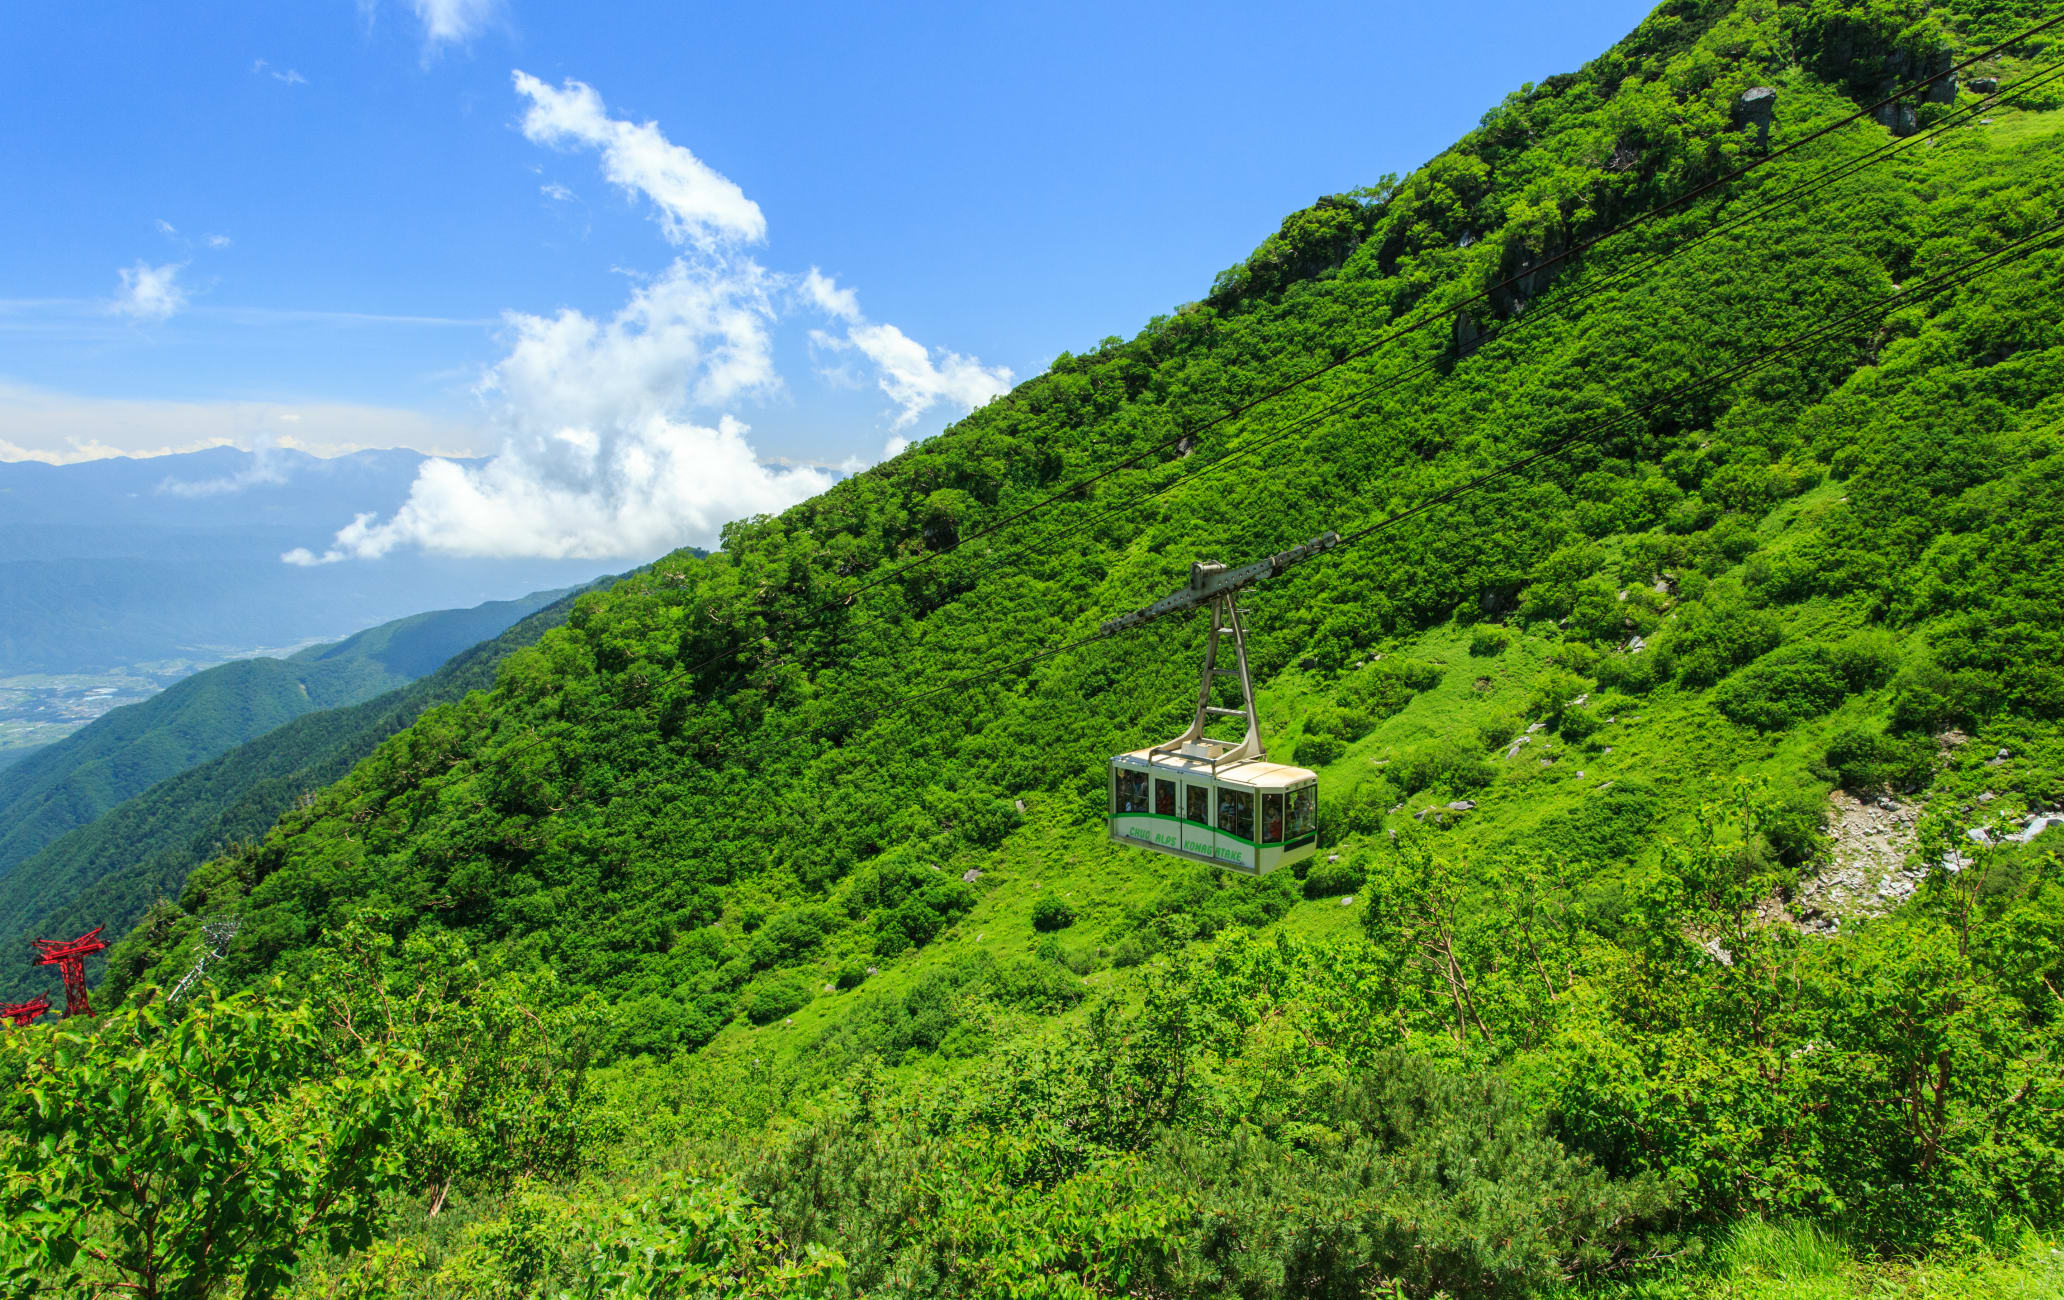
x: 1486, y: 295
x: 1445, y: 312
x: 1348, y: 403
x: 1194, y: 433
x: 1976, y: 268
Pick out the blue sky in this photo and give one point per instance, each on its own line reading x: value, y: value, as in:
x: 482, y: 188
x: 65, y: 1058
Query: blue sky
x: 337, y: 224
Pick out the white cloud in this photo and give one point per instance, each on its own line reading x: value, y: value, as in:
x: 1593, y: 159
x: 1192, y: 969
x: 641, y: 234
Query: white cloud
x: 915, y: 377
x: 454, y: 22
x: 599, y: 458
x: 167, y: 229
x: 699, y: 335
x: 697, y: 205
x: 287, y: 75
x: 266, y: 467
x: 150, y: 292
x: 556, y: 192
x: 606, y: 448
x: 642, y: 492
x: 219, y: 241
x: 62, y: 428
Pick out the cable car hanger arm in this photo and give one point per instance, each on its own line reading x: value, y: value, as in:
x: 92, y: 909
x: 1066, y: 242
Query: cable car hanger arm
x: 1210, y: 581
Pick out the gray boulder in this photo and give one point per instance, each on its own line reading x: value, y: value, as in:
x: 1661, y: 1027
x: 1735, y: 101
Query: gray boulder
x: 1757, y: 108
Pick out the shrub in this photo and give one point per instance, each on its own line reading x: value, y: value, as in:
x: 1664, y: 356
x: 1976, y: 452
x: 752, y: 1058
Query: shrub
x: 1487, y: 640
x: 1718, y: 634
x: 1332, y: 879
x: 1866, y: 761
x: 1446, y: 766
x: 1342, y: 724
x: 1050, y: 913
x: 1359, y: 812
x: 1383, y: 688
x: 1867, y: 659
x: 1791, y: 826
x: 772, y: 999
x: 1576, y: 724
x: 851, y: 974
x: 1556, y: 690
x: 1638, y: 672
x: 790, y: 936
x: 1784, y: 687
x: 1317, y: 751
x: 1611, y: 825
x: 1928, y: 697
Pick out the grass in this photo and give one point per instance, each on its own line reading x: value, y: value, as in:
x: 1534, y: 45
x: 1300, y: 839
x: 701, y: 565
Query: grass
x: 1797, y: 1261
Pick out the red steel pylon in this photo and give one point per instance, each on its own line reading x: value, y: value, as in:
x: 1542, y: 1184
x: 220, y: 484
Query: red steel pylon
x: 70, y: 960
x: 23, y: 1013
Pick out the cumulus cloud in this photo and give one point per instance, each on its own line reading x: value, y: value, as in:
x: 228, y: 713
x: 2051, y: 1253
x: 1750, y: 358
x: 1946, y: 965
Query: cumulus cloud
x: 150, y: 293
x: 641, y: 492
x: 696, y: 205
x: 613, y: 441
x: 219, y: 241
x: 915, y: 377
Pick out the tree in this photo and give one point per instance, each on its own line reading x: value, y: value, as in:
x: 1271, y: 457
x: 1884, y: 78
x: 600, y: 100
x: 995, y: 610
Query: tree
x: 162, y: 1154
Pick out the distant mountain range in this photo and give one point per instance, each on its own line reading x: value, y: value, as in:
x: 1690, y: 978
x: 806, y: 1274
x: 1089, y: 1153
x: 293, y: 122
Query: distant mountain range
x: 98, y: 826
x: 176, y: 559
x: 125, y: 752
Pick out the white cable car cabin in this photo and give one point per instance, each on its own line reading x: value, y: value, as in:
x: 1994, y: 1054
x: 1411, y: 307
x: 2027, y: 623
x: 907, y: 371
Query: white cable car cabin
x: 1216, y: 801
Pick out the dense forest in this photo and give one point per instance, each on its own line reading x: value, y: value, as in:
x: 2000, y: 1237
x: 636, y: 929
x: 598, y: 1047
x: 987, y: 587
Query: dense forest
x: 1688, y: 919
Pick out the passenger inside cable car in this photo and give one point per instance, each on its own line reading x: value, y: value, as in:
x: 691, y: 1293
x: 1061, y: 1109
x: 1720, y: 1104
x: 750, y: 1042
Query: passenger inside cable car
x: 1132, y: 792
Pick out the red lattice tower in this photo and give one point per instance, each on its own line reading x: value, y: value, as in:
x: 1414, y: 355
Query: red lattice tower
x: 70, y: 960
x: 24, y: 1013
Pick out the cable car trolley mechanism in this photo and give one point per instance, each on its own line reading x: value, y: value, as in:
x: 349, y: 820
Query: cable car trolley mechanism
x: 1200, y: 797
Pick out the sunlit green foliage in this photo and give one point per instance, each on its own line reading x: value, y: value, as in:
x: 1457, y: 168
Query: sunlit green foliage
x: 1537, y: 1016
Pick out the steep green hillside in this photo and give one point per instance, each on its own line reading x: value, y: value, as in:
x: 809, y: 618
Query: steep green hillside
x: 110, y: 871
x: 130, y: 749
x: 800, y: 842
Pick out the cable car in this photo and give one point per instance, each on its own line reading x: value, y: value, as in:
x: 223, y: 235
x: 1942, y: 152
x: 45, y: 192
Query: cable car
x: 1207, y: 799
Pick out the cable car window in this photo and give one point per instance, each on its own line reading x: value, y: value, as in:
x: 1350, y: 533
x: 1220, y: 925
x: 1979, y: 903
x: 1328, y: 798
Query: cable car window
x: 1304, y: 812
x: 1132, y: 792
x: 1236, y: 813
x: 1272, y: 819
x: 1198, y: 799
x: 1164, y: 798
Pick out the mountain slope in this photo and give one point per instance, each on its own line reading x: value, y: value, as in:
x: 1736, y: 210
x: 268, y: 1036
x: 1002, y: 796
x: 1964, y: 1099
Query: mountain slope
x: 109, y: 872
x: 644, y: 803
x: 842, y: 879
x: 130, y: 749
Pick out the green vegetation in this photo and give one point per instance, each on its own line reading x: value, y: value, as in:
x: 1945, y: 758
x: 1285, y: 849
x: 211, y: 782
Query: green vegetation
x: 847, y: 999
x: 128, y: 750
x: 112, y: 870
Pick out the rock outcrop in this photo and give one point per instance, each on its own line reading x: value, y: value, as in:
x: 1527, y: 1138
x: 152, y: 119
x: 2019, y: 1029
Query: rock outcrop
x: 1756, y: 110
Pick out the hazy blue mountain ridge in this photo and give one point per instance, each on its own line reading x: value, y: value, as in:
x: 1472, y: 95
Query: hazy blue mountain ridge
x: 112, y: 870
x: 115, y: 563
x: 120, y: 755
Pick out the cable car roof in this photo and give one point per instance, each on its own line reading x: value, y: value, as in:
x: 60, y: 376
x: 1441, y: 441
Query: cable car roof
x: 1257, y: 774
